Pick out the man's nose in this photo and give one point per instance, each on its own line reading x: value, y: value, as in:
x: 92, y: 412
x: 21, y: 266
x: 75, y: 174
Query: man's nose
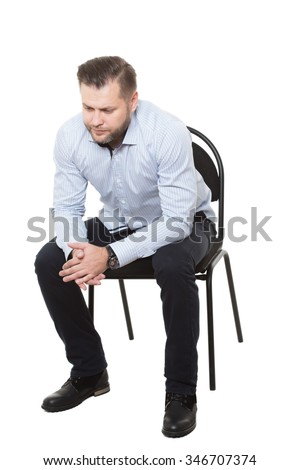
x: 97, y: 118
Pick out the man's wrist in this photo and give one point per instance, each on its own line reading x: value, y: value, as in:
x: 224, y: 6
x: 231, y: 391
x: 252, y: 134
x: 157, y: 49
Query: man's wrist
x: 112, y: 261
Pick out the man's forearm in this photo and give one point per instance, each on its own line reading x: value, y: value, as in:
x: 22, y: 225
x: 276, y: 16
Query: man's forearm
x: 147, y: 240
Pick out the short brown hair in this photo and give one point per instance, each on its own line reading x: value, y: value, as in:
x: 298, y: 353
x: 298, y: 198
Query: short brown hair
x: 97, y: 72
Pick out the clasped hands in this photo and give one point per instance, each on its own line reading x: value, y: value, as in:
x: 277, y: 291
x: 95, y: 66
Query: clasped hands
x: 86, y: 266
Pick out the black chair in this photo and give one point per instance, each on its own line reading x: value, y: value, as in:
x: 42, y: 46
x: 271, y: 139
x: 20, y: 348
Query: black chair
x: 212, y: 171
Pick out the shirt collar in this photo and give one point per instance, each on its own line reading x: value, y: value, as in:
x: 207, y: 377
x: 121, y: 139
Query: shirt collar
x: 131, y: 134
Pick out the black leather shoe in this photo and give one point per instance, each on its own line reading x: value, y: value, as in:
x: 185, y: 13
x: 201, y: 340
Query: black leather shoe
x: 180, y: 415
x: 75, y: 391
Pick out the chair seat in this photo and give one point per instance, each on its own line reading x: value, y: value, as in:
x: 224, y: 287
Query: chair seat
x: 203, y: 265
x: 142, y: 268
x: 139, y: 269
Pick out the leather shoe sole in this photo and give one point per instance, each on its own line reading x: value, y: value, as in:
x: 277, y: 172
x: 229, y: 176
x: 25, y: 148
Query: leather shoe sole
x: 185, y: 432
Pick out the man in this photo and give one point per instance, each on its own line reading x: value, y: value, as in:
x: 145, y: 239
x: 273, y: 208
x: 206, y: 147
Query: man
x: 139, y: 158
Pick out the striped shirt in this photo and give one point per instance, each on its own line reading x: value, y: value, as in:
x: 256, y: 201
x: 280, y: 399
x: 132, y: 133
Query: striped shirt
x: 148, y: 184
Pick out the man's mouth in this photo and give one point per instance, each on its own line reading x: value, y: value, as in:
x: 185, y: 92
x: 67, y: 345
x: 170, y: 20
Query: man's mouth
x: 99, y: 131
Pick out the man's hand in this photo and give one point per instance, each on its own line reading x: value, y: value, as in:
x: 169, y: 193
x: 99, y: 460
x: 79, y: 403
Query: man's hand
x: 86, y: 266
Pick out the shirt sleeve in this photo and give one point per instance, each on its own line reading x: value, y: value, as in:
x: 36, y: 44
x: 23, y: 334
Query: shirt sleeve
x: 69, y: 196
x: 177, y: 186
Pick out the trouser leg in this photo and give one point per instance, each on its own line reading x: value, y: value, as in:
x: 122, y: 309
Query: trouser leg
x: 174, y: 267
x: 68, y: 308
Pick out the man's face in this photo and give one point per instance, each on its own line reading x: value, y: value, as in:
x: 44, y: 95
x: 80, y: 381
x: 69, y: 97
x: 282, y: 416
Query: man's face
x: 106, y: 114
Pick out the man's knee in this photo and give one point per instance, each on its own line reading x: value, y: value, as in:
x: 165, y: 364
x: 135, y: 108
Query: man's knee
x: 50, y: 256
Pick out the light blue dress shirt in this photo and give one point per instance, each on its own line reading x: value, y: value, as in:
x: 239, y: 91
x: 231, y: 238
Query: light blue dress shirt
x: 148, y: 184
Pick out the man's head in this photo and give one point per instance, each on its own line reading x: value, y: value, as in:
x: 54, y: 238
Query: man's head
x: 109, y: 96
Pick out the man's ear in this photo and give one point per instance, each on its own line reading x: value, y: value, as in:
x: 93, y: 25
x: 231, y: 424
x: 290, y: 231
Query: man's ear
x: 134, y: 101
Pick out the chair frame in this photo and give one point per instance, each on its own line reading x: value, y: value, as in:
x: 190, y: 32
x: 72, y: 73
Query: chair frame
x: 205, y: 274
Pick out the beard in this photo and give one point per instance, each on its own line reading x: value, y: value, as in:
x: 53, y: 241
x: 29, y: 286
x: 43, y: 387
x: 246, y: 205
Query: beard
x: 116, y: 136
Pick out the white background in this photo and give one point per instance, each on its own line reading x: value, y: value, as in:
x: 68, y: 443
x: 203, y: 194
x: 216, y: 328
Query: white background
x: 230, y: 69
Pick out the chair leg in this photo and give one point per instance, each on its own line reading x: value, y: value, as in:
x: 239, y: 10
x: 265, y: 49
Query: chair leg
x: 210, y: 328
x: 91, y: 301
x: 233, y: 298
x: 126, y: 309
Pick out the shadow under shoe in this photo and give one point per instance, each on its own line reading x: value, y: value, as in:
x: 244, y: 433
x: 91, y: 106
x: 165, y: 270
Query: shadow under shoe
x: 180, y: 415
x: 75, y: 390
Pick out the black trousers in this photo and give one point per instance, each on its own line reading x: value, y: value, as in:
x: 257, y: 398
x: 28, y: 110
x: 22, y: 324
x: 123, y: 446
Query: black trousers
x: 174, y: 271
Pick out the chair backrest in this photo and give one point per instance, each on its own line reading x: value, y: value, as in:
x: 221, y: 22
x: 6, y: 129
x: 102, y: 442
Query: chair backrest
x: 212, y: 171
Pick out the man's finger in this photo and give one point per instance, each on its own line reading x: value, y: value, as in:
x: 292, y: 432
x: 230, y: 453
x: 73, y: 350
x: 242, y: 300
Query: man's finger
x: 82, y: 286
x: 79, y: 254
x: 72, y: 276
x: 84, y: 279
x: 94, y: 282
x: 72, y: 262
x: 78, y: 245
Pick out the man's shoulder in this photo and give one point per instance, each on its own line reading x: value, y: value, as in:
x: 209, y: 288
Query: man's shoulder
x: 72, y: 134
x: 151, y: 112
x: 155, y: 119
x: 73, y: 125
